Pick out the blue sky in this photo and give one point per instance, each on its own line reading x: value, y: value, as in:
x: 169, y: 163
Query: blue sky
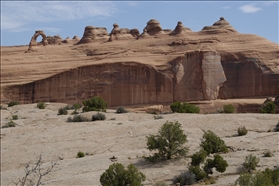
x: 20, y: 19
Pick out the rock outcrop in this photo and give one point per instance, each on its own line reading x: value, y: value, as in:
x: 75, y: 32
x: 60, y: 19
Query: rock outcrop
x: 220, y: 26
x: 153, y: 27
x: 180, y: 29
x: 52, y: 40
x: 33, y: 41
x: 120, y: 33
x: 92, y: 33
x: 115, y: 32
x: 134, y: 32
x: 205, y: 65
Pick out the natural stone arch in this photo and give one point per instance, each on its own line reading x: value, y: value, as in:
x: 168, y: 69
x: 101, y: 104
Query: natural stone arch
x: 33, y: 41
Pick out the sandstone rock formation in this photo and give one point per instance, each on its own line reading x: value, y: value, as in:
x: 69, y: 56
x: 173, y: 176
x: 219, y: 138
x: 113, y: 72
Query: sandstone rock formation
x: 179, y: 29
x: 115, y: 32
x: 134, y: 32
x: 52, y: 40
x: 220, y: 26
x: 153, y: 27
x: 163, y: 69
x: 92, y: 33
x: 33, y: 41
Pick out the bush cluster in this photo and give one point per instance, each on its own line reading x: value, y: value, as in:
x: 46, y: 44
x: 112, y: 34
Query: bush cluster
x: 62, y: 111
x: 268, y: 108
x: 116, y: 175
x: 228, y: 109
x: 168, y: 143
x: 94, y: 104
x: 80, y: 154
x: 251, y: 162
x: 211, y: 143
x: 12, y: 103
x: 184, y: 108
x: 267, y: 177
x: 9, y: 124
x: 15, y: 117
x: 41, y: 105
x: 242, y: 131
x: 121, y: 110
x: 201, y: 166
x: 98, y: 116
x: 78, y: 118
x: 185, y: 178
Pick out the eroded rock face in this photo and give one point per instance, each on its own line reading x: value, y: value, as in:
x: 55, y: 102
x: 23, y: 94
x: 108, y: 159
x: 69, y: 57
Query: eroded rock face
x: 115, y: 32
x: 220, y: 26
x: 153, y: 27
x: 33, y: 41
x: 92, y: 33
x: 179, y: 29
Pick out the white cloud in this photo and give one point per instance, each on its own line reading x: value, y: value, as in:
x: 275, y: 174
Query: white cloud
x: 15, y: 15
x: 250, y: 8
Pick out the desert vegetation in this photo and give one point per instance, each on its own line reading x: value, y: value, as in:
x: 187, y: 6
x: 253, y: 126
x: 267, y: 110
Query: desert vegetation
x: 228, y: 109
x: 117, y: 175
x: 184, y: 108
x: 41, y: 105
x: 94, y: 104
x: 177, y: 144
x: 168, y: 143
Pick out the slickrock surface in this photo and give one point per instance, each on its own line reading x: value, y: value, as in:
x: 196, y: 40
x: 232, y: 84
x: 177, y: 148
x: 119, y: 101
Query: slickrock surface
x: 42, y: 131
x: 155, y: 67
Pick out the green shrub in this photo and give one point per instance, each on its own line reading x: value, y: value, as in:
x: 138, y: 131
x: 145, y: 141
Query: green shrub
x: 267, y: 154
x: 198, y: 158
x: 80, y: 154
x: 116, y: 175
x: 41, y: 105
x: 121, y: 110
x: 78, y: 118
x: 269, y: 108
x: 185, y: 178
x: 9, y: 124
x: 267, y: 177
x: 198, y: 172
x: 98, y: 116
x: 94, y: 104
x: 169, y: 142
x: 251, y: 162
x: 209, y: 181
x: 242, y: 131
x: 74, y: 112
x: 12, y: 103
x: 77, y: 106
x: 15, y: 117
x: 62, y: 111
x: 211, y: 143
x: 228, y: 109
x: 184, y: 108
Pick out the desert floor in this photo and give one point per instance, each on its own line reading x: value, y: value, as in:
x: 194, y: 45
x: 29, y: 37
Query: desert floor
x: 42, y: 131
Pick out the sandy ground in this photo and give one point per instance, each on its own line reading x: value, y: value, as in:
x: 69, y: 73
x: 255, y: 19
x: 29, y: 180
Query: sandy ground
x: 42, y: 131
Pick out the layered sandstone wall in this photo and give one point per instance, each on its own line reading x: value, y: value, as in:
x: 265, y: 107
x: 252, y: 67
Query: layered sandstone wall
x: 118, y: 83
x: 195, y: 75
